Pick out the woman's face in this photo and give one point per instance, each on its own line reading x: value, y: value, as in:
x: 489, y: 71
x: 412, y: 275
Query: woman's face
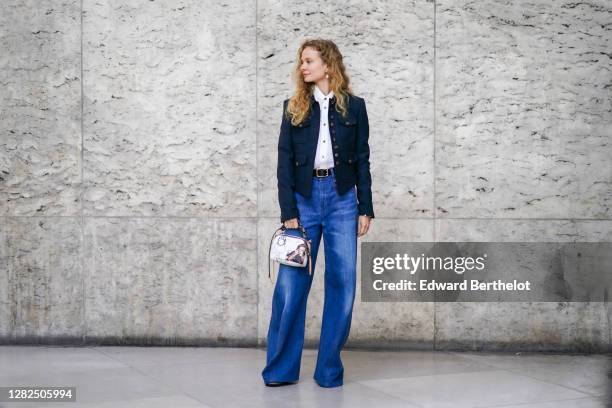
x: 312, y: 68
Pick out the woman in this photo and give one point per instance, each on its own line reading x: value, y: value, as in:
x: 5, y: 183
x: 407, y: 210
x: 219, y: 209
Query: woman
x: 298, y: 254
x: 324, y: 182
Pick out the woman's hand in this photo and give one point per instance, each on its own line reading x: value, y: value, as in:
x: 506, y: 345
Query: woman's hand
x: 364, y: 225
x: 292, y: 223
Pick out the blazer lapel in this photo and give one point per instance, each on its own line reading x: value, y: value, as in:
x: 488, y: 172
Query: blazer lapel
x: 315, y: 122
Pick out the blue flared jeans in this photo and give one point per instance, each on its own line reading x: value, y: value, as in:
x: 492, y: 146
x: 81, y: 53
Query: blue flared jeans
x: 334, y: 218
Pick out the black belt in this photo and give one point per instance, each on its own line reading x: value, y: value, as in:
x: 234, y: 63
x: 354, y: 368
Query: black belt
x: 323, y: 172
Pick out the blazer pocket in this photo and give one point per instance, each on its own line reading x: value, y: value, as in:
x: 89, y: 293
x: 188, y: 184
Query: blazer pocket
x: 349, y: 157
x: 304, y: 123
x: 300, y: 160
x: 348, y: 121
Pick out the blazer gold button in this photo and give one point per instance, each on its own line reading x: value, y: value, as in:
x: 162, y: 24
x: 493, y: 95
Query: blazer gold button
x: 350, y: 160
x: 296, y: 163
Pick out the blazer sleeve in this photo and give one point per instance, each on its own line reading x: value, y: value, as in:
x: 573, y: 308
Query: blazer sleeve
x: 284, y: 170
x: 364, y: 178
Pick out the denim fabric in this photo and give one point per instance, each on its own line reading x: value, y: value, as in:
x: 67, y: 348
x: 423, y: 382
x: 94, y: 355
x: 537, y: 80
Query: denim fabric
x: 334, y: 218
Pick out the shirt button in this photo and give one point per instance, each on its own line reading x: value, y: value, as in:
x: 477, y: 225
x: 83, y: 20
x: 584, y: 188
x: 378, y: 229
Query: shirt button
x: 336, y: 154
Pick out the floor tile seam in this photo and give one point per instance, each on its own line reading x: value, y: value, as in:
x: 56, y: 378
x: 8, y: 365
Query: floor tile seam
x: 586, y: 394
x: 185, y: 363
x: 515, y: 371
x: 512, y: 404
x: 157, y: 381
x: 361, y: 383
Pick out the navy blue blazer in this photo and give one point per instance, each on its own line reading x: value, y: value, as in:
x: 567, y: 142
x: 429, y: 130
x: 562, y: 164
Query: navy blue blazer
x: 297, y: 146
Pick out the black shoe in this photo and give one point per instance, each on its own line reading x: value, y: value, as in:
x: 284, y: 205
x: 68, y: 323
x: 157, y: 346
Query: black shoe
x: 278, y: 383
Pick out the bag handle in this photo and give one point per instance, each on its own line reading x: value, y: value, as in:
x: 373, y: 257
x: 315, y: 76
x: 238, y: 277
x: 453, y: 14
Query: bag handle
x: 300, y: 227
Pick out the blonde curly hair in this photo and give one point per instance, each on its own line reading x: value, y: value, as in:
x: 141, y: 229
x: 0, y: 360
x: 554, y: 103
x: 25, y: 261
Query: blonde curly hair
x: 298, y: 107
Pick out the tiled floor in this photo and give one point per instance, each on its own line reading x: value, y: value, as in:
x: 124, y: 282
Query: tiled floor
x: 177, y: 377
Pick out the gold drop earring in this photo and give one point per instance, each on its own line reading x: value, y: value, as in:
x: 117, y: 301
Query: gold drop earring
x: 326, y: 76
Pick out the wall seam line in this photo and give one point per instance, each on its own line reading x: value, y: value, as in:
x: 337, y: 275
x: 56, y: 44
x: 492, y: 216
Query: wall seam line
x: 257, y: 173
x: 435, y: 212
x: 81, y: 193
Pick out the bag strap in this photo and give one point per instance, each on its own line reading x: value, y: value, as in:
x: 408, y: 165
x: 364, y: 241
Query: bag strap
x: 309, y: 257
x: 308, y: 244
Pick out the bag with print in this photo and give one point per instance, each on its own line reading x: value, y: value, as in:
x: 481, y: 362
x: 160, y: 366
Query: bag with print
x: 290, y: 249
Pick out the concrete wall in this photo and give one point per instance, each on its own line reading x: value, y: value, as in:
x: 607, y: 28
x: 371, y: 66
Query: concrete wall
x: 138, y: 157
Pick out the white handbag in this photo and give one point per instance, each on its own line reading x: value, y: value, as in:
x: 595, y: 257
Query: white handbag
x: 290, y: 249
